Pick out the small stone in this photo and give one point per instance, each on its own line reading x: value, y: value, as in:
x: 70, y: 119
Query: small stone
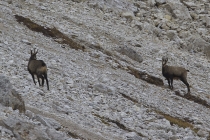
x: 168, y: 17
x: 26, y: 41
x: 29, y: 114
x: 207, y: 22
x: 132, y: 136
x: 128, y: 15
x: 202, y: 133
x: 160, y: 2
x: 171, y: 34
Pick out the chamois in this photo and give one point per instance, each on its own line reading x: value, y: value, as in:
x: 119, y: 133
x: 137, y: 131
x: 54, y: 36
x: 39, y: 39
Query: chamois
x: 38, y: 68
x: 172, y: 72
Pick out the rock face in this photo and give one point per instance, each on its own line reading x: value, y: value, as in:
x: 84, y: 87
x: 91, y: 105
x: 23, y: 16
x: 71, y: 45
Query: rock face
x: 20, y: 128
x: 198, y: 44
x: 104, y: 69
x: 178, y: 10
x: 10, y: 97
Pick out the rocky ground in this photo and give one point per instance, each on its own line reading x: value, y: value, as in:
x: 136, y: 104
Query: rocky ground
x: 104, y: 69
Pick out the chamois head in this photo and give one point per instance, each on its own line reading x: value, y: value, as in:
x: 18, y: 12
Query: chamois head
x: 33, y: 54
x: 164, y: 60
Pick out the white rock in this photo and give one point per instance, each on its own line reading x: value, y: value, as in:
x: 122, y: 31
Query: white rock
x: 26, y: 41
x: 203, y: 133
x: 132, y: 136
x: 10, y: 61
x: 128, y: 15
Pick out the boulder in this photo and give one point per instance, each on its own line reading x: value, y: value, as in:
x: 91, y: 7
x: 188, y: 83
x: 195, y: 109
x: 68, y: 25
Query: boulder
x: 129, y: 15
x: 190, y: 5
x: 160, y: 2
x: 171, y: 34
x: 207, y: 50
x: 184, y: 34
x: 9, y: 97
x: 207, y: 21
x: 132, y: 136
x: 22, y: 129
x: 48, y: 122
x: 177, y: 10
x: 202, y: 133
x: 198, y: 44
x: 130, y: 53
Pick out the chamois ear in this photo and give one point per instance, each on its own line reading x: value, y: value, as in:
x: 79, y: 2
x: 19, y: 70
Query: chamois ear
x: 31, y: 52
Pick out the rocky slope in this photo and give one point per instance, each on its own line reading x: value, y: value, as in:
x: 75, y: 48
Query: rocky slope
x: 104, y: 69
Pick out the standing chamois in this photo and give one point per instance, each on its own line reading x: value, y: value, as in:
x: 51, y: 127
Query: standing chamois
x: 38, y: 68
x: 172, y: 72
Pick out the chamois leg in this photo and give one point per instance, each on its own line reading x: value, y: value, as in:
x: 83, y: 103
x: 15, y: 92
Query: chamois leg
x: 33, y: 78
x: 171, y: 82
x: 186, y: 83
x: 42, y: 80
x: 45, y: 76
x: 38, y: 81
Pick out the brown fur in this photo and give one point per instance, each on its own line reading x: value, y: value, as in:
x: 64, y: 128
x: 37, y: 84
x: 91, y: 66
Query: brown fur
x: 42, y: 69
x: 172, y: 72
x: 38, y: 68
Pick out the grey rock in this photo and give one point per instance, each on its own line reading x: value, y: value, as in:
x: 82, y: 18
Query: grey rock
x: 194, y: 15
x: 29, y: 114
x: 198, y: 44
x: 10, y: 97
x: 151, y: 3
x: 189, y: 4
x: 41, y: 119
x: 132, y: 136
x: 26, y: 42
x: 111, y: 115
x: 207, y: 50
x: 171, y: 34
x: 202, y: 133
x: 177, y: 10
x: 184, y: 34
x: 130, y: 53
x: 139, y: 26
x: 53, y: 123
x: 23, y: 129
x: 56, y: 135
x: 160, y: 2
x: 207, y: 21
x: 128, y: 15
x: 164, y: 26
x: 48, y: 122
x: 100, y: 87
